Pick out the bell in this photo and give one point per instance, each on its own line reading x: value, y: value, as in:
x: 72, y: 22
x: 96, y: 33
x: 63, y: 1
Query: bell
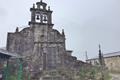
x: 38, y: 17
x: 45, y: 18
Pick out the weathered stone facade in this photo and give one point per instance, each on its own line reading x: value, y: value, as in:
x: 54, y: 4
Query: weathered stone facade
x: 41, y: 44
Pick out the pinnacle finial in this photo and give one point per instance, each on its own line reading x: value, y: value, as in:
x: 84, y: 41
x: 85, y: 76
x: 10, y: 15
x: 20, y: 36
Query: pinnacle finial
x: 99, y: 47
x: 17, y: 29
x: 40, y: 0
x: 86, y: 55
x: 63, y: 32
x: 33, y: 5
x: 49, y: 8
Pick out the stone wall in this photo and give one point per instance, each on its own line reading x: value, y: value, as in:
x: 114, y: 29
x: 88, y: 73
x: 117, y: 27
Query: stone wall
x: 112, y: 63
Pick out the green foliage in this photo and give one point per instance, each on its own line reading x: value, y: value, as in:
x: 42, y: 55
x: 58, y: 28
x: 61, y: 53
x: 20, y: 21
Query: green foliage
x: 87, y: 73
x: 13, y: 71
x: 12, y: 77
x: 93, y: 73
x: 107, y: 75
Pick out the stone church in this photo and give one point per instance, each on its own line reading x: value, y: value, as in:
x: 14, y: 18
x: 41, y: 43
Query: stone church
x: 41, y: 44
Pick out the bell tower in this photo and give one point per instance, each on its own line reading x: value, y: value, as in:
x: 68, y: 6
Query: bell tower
x: 40, y: 14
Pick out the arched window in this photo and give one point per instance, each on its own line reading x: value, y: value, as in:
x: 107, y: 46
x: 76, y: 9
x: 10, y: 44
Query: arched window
x: 45, y: 19
x: 37, y: 18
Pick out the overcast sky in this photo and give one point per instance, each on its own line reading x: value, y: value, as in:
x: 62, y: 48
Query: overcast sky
x: 87, y: 23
